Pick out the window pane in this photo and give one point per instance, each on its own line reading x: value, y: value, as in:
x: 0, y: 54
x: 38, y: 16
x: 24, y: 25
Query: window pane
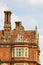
x: 22, y: 52
x: 26, y: 52
x: 19, y: 52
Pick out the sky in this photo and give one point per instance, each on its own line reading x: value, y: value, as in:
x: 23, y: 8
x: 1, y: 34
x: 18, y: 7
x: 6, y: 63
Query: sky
x: 29, y: 12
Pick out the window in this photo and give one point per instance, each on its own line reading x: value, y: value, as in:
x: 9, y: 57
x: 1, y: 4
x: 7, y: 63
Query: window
x: 4, y: 64
x: 26, y: 51
x: 13, y: 52
x: 20, y: 52
x: 20, y: 64
x: 20, y: 37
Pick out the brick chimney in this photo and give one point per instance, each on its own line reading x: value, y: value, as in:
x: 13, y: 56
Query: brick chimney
x: 7, y: 16
x: 7, y: 20
x: 17, y: 23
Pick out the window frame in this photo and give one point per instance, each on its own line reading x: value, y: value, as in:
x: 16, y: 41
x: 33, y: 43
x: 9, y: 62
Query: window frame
x: 20, y: 37
x: 16, y: 52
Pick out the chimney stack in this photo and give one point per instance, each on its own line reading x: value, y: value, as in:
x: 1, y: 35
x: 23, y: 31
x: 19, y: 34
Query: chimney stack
x: 18, y: 23
x: 7, y: 16
x: 7, y: 22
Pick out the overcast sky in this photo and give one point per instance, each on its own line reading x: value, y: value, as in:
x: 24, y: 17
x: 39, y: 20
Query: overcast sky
x: 29, y: 12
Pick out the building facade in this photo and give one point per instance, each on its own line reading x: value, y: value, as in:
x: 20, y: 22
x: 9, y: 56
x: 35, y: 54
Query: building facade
x: 18, y: 46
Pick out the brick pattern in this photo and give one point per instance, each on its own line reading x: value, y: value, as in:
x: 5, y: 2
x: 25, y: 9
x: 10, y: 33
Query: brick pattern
x: 9, y: 37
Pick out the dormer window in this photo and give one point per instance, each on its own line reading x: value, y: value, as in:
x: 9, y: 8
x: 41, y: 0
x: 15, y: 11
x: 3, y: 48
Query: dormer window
x: 20, y: 37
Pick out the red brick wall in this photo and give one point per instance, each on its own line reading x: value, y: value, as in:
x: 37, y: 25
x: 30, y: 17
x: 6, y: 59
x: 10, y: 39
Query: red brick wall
x: 5, y: 53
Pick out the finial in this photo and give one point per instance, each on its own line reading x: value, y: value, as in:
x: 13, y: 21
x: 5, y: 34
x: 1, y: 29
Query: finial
x: 36, y: 27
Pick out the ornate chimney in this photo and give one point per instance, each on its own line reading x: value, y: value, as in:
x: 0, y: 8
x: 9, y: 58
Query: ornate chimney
x: 7, y: 22
x: 18, y: 23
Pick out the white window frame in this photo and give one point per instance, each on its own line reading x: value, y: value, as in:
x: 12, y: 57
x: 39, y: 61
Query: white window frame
x: 4, y: 64
x: 22, y: 52
x: 20, y: 37
x: 21, y: 64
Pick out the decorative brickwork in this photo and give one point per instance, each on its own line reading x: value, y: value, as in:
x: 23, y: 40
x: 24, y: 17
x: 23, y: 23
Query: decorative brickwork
x: 18, y: 46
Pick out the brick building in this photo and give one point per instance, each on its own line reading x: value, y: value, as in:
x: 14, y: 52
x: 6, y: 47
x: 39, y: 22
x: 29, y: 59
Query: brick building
x: 18, y: 46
